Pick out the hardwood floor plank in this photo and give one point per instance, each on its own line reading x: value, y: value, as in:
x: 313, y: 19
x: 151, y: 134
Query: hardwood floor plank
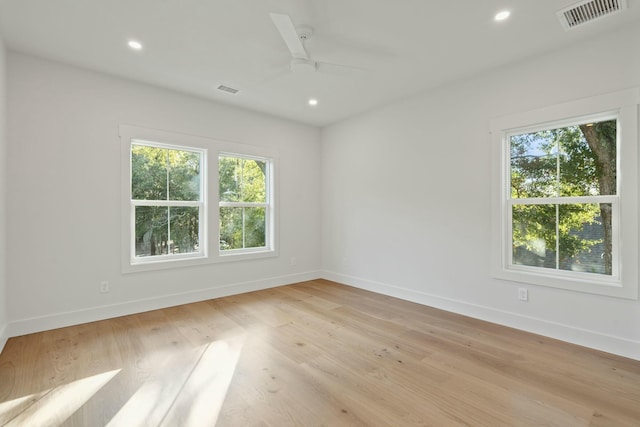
x: 311, y: 354
x: 204, y: 391
x: 275, y: 391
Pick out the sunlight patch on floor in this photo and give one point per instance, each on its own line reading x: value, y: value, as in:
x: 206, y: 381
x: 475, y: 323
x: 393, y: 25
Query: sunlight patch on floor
x: 11, y: 408
x: 54, y: 406
x: 151, y: 401
x: 202, y: 398
x: 187, y: 390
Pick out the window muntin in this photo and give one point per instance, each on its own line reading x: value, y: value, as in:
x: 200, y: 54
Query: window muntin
x: 167, y: 202
x: 562, y: 197
x: 244, y: 203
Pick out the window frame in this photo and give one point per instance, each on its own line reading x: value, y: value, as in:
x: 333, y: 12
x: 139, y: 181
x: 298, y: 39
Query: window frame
x: 268, y: 206
x: 209, y: 224
x: 623, y: 106
x: 200, y: 204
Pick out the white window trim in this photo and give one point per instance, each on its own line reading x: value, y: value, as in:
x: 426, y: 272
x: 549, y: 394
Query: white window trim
x: 209, y: 225
x: 624, y: 105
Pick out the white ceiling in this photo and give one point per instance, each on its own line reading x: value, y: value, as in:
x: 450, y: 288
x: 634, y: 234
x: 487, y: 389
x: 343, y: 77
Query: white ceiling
x: 398, y: 47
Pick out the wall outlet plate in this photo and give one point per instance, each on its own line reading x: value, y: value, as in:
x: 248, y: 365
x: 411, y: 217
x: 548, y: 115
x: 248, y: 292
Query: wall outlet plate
x: 523, y: 294
x: 104, y: 287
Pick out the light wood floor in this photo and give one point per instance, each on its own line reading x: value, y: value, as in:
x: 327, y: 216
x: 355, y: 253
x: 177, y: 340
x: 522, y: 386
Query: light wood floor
x: 311, y: 354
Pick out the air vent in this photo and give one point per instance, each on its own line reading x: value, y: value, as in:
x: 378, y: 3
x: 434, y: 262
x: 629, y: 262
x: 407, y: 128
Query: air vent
x: 228, y: 89
x: 588, y: 11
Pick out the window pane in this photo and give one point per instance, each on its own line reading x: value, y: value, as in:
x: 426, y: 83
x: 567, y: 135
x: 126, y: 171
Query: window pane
x: 184, y: 228
x: 583, y: 233
x: 569, y: 161
x: 255, y: 221
x: 242, y: 228
x: 582, y: 238
x: 533, y: 165
x: 242, y: 180
x: 578, y: 175
x: 589, y: 164
x: 162, y: 230
x: 164, y: 174
x: 148, y: 173
x: 151, y: 231
x: 184, y: 175
x: 534, y: 235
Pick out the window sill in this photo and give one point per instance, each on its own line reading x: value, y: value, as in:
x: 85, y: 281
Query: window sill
x: 599, y: 285
x: 172, y: 263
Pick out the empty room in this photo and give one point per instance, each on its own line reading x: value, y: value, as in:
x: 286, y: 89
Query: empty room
x: 319, y: 213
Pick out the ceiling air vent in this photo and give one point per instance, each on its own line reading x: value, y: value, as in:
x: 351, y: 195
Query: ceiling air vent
x: 589, y: 10
x: 227, y: 89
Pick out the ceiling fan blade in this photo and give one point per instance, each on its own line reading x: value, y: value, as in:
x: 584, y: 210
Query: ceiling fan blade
x: 287, y: 30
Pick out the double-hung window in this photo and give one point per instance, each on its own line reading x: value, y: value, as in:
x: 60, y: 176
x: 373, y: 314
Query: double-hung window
x: 168, y: 181
x: 167, y: 202
x: 244, y: 203
x: 566, y: 196
x: 563, y: 204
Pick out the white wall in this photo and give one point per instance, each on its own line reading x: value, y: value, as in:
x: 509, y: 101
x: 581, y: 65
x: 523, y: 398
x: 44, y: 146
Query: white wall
x: 64, y: 197
x: 405, y: 207
x: 4, y: 318
x: 407, y: 196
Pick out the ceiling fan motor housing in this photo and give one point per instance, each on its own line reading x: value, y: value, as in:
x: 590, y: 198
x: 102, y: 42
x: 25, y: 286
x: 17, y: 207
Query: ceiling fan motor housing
x: 304, y: 32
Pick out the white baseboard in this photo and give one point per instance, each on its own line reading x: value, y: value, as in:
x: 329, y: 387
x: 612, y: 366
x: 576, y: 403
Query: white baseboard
x: 60, y: 320
x: 583, y: 337
x: 586, y: 338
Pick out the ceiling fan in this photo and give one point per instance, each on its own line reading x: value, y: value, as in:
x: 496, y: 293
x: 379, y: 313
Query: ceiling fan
x: 295, y: 38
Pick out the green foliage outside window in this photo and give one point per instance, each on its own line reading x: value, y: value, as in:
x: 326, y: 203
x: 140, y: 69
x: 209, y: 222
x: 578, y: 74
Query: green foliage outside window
x: 243, y: 197
x: 165, y: 175
x: 573, y: 161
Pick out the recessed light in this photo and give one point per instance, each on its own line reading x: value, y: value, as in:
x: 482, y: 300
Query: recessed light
x: 135, y: 45
x: 501, y: 16
x: 313, y: 102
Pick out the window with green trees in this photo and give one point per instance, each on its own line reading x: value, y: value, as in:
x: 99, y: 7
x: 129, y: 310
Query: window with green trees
x: 563, y: 197
x: 244, y: 202
x: 168, y: 182
x: 167, y: 200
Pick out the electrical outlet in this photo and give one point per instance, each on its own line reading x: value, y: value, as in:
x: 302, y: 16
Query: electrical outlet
x: 293, y: 261
x: 104, y: 287
x: 523, y: 294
